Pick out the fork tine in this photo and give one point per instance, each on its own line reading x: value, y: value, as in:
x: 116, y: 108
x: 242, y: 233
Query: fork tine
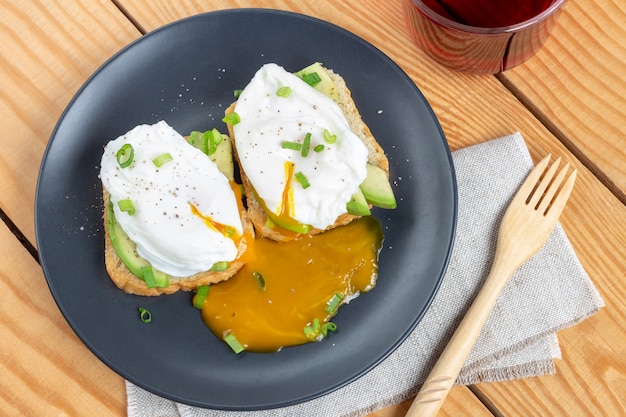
x: 543, y: 184
x: 546, y: 200
x: 563, y: 195
x: 527, y: 187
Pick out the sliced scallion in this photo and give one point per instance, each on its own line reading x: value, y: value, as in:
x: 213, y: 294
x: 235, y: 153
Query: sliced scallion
x: 329, y: 138
x: 237, y: 93
x: 154, y: 278
x: 219, y: 267
x: 311, y: 79
x: 306, y: 145
x: 200, y: 297
x: 127, y: 206
x: 231, y: 118
x: 313, y: 330
x: 211, y: 140
x: 145, y: 315
x: 319, y: 148
x: 125, y: 155
x: 330, y: 326
x: 162, y: 159
x: 302, y: 180
x: 309, y: 333
x: 284, y: 91
x: 333, y: 303
x: 259, y: 279
x: 286, y: 144
x: 234, y: 344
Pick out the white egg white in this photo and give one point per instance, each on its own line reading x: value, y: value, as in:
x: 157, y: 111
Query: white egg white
x: 167, y: 233
x: 267, y: 120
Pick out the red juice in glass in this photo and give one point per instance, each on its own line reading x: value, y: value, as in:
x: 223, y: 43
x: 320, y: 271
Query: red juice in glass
x: 481, y: 36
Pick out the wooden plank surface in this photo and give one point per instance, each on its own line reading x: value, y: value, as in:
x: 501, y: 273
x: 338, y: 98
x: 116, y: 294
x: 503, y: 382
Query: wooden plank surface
x: 472, y: 109
x: 578, y: 83
x: 44, y: 368
x: 47, y: 51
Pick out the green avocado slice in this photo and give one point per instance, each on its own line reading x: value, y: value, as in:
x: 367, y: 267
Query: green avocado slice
x: 377, y: 189
x: 126, y: 249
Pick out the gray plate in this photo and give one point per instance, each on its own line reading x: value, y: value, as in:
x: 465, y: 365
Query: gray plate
x: 185, y: 73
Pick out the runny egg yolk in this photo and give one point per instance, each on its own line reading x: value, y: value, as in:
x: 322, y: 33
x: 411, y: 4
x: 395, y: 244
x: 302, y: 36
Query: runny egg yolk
x: 299, y: 278
x: 228, y: 231
x: 247, y: 250
x: 284, y: 222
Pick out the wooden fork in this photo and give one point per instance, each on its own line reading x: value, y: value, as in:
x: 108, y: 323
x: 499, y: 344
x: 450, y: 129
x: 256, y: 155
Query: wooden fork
x: 526, y: 225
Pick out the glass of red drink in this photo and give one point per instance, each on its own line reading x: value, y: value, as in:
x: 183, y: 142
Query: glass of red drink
x: 481, y: 36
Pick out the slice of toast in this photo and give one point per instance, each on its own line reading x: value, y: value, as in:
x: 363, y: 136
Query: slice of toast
x: 376, y: 156
x: 130, y: 283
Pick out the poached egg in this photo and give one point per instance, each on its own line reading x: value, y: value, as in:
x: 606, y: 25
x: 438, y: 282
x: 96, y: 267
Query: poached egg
x: 186, y: 217
x: 276, y: 110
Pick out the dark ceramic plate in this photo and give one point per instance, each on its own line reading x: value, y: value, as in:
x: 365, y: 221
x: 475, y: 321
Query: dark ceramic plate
x: 185, y: 73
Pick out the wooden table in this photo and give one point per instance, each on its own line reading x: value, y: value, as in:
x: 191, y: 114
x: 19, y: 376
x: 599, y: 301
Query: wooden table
x: 570, y: 100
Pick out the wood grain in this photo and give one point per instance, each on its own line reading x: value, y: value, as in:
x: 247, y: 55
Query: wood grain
x: 460, y: 402
x: 473, y: 109
x: 591, y: 377
x: 44, y: 368
x: 576, y: 83
x: 47, y: 51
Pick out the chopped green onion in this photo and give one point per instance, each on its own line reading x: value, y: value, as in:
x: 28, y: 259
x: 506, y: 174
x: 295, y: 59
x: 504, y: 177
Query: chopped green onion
x: 306, y: 145
x: 286, y: 144
x: 234, y: 344
x: 231, y: 118
x: 145, y: 315
x: 125, y: 155
x: 311, y: 79
x: 319, y: 148
x: 237, y: 93
x: 210, y: 141
x: 334, y: 302
x: 219, y: 267
x: 127, y: 206
x: 313, y: 330
x: 200, y: 297
x: 284, y: 91
x: 259, y: 279
x: 194, y: 139
x: 309, y: 333
x: 328, y: 138
x: 154, y: 278
x: 303, y: 180
x: 330, y: 326
x: 162, y: 159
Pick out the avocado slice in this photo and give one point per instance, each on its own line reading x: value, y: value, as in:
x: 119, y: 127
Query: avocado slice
x: 376, y: 188
x: 358, y: 205
x: 217, y: 147
x: 223, y: 158
x: 326, y: 85
x: 126, y: 249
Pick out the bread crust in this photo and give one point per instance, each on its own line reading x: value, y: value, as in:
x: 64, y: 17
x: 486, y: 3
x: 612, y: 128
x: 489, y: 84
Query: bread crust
x: 125, y: 280
x: 376, y: 156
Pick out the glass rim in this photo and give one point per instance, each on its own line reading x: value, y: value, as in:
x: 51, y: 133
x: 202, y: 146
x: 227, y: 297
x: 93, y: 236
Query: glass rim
x: 430, y: 13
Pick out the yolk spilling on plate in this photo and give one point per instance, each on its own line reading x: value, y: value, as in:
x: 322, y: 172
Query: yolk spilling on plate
x: 273, y: 298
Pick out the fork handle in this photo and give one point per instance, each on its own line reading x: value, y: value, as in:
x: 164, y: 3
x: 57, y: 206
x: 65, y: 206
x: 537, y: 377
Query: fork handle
x: 431, y: 396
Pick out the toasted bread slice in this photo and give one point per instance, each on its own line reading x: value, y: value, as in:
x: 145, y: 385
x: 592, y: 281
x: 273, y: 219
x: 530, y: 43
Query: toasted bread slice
x: 376, y: 156
x: 130, y: 283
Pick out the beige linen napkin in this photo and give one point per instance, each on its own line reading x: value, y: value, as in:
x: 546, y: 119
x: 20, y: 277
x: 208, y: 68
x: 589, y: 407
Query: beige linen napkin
x: 548, y: 293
